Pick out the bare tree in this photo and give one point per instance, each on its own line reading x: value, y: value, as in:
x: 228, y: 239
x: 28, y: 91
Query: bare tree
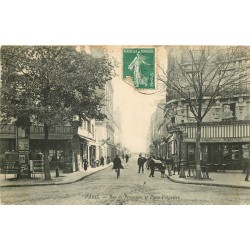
x: 200, y: 75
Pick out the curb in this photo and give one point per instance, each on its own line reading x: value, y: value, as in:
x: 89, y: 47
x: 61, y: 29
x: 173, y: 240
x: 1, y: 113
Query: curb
x: 54, y: 183
x: 207, y: 184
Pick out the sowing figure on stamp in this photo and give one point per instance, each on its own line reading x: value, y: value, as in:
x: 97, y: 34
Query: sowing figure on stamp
x: 136, y: 65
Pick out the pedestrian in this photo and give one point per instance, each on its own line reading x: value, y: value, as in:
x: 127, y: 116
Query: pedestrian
x: 117, y: 165
x: 85, y: 164
x: 147, y: 163
x: 246, y: 162
x: 116, y: 162
x: 163, y: 170
x: 169, y: 163
x: 152, y: 167
x: 102, y: 161
x: 108, y: 160
x: 126, y: 157
x: 140, y: 162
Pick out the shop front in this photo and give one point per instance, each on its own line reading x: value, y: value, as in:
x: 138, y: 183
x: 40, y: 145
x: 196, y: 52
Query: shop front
x: 223, y: 147
x: 66, y: 148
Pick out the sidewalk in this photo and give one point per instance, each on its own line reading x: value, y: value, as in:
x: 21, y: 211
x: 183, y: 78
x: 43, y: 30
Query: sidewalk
x: 64, y: 178
x: 235, y: 179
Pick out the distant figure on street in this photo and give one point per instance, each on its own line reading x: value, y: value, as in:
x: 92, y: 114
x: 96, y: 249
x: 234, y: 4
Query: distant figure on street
x: 108, y: 160
x: 140, y: 162
x: 85, y: 164
x: 151, y: 165
x: 163, y: 170
x: 169, y: 163
x: 117, y: 162
x: 102, y: 161
x: 246, y: 162
x: 126, y: 157
x: 117, y: 165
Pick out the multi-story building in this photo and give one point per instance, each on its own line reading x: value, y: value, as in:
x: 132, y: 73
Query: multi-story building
x: 68, y: 145
x: 117, y: 132
x: 105, y: 129
x: 157, y: 132
x: 225, y: 130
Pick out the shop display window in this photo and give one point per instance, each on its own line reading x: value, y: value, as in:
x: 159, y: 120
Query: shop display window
x: 231, y: 153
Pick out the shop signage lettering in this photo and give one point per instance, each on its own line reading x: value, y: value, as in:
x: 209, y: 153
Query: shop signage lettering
x: 7, y: 129
x: 11, y: 129
x: 226, y: 139
x: 54, y: 130
x: 23, y: 144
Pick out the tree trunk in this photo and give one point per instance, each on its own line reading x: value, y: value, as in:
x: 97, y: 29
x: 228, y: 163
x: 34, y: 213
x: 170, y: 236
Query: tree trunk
x: 182, y: 166
x: 46, y: 153
x: 198, y: 151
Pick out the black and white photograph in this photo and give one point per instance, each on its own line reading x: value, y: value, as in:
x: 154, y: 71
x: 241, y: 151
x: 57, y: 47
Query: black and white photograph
x: 73, y: 132
x: 124, y: 120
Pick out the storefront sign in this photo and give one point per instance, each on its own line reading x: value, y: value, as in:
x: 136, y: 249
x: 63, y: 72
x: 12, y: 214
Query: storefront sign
x: 10, y: 129
x: 226, y: 139
x: 53, y: 130
x: 7, y: 129
x: 23, y: 144
x: 60, y: 132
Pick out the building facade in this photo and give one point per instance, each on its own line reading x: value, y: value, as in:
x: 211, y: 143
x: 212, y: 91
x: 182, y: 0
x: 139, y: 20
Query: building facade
x: 225, y: 130
x: 157, y: 133
x: 68, y: 145
x: 118, y: 139
x: 105, y: 129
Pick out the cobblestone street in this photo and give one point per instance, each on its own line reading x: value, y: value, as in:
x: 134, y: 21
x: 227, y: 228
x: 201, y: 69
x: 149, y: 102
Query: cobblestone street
x: 131, y: 188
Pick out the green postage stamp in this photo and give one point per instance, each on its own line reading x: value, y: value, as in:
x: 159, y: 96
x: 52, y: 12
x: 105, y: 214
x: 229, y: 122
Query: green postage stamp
x: 139, y: 67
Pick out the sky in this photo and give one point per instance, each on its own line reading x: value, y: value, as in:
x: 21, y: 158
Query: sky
x: 136, y: 108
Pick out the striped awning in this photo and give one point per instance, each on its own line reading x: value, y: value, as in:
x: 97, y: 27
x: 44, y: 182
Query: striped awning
x: 218, y: 133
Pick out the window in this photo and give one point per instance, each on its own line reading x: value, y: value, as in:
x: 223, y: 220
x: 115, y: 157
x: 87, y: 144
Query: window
x: 171, y: 148
x: 231, y: 153
x: 235, y: 152
x: 189, y: 113
x: 89, y: 126
x: 229, y: 110
x: 191, y: 150
x: 173, y: 120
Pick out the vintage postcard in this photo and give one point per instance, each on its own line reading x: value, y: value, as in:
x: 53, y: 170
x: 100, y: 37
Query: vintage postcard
x: 125, y: 125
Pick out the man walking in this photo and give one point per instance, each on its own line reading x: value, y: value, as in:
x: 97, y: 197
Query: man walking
x: 140, y: 163
x: 126, y: 157
x: 151, y: 166
x: 117, y: 165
